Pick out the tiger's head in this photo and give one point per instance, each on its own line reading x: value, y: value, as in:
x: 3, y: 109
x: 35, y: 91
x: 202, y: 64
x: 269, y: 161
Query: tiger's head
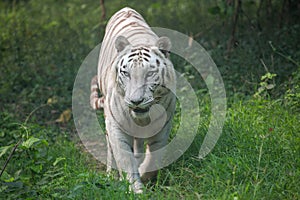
x: 144, y: 74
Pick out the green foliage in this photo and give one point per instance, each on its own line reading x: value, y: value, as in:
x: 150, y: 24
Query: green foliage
x: 42, y: 45
x: 265, y: 85
x: 29, y: 163
x: 33, y: 40
x: 292, y: 95
x: 47, y: 164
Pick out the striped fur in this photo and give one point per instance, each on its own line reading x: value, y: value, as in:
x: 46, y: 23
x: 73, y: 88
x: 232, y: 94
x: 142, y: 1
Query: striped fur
x: 96, y: 101
x: 134, y: 74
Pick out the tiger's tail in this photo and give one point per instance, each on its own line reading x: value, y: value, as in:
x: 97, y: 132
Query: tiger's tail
x: 96, y: 101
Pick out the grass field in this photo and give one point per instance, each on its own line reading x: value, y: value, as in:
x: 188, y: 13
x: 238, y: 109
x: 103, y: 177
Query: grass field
x: 42, y: 45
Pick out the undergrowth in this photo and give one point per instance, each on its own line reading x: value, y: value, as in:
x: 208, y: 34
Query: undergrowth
x: 42, y: 46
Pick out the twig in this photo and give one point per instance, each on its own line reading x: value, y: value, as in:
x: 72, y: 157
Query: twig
x: 235, y: 20
x: 269, y: 8
x: 289, y: 58
x: 103, y: 15
x: 199, y: 34
x: 258, y: 14
x: 282, y: 13
x: 9, y: 157
x: 263, y: 63
x: 34, y: 110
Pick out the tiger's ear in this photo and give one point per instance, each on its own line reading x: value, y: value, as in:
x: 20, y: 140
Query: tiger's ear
x: 164, y: 45
x: 120, y: 43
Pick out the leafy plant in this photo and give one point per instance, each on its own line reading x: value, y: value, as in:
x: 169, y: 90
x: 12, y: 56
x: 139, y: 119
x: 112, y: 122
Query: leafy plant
x: 267, y: 83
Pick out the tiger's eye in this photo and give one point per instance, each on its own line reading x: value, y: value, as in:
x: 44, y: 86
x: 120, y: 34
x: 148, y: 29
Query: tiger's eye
x: 126, y: 74
x: 151, y: 73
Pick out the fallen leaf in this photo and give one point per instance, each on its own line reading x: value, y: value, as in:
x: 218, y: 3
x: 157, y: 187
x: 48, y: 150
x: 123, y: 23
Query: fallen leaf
x: 64, y: 116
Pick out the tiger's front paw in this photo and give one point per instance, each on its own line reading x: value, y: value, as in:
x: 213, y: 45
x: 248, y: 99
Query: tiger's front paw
x: 137, y: 187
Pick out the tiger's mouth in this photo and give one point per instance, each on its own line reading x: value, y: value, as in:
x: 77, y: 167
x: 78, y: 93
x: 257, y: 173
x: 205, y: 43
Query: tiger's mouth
x: 140, y: 110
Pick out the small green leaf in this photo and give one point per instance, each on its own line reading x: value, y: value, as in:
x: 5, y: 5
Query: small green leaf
x: 270, y: 86
x: 267, y: 75
x: 6, y: 177
x: 4, y: 149
x: 37, y: 168
x: 2, y: 134
x: 58, y: 160
x: 260, y: 89
x: 44, y: 142
x: 28, y: 143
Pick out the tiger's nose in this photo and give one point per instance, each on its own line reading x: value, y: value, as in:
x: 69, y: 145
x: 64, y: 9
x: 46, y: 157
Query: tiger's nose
x: 136, y: 101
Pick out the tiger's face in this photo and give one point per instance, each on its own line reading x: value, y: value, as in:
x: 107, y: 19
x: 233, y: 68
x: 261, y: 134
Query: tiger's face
x: 142, y: 76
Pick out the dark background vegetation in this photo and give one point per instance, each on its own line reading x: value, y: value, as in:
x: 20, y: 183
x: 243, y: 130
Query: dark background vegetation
x: 256, y: 46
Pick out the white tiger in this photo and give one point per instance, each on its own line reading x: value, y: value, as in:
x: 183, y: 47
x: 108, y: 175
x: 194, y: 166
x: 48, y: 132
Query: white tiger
x: 134, y: 75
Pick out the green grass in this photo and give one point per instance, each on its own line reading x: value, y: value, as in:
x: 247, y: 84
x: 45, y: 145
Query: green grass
x: 257, y: 158
x: 42, y: 46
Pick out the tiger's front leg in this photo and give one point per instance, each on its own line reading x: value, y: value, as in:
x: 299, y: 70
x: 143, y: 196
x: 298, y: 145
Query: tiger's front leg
x: 122, y: 148
x: 138, y: 149
x: 152, y: 161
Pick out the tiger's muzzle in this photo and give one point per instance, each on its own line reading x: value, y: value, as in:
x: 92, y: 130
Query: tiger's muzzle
x: 139, y: 106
